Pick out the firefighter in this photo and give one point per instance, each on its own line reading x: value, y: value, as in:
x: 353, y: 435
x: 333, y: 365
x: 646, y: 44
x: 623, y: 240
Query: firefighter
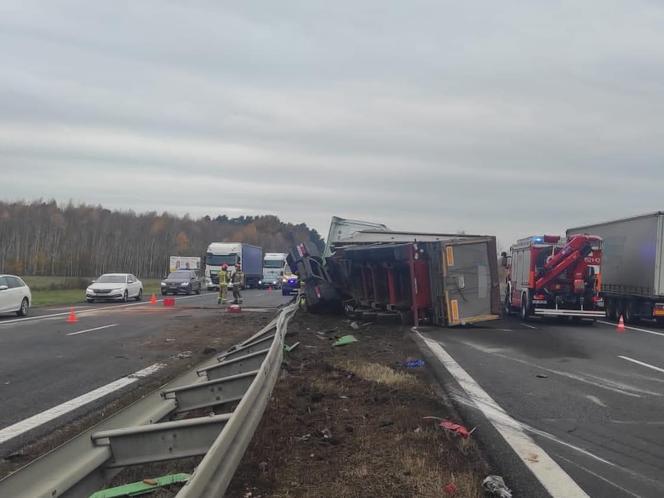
x: 236, y: 282
x: 223, y: 284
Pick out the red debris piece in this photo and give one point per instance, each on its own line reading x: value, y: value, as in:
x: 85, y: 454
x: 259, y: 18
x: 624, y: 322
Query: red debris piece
x: 459, y: 430
x: 450, y: 489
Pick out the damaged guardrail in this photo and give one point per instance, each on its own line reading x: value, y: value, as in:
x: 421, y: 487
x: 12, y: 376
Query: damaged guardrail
x: 246, y: 373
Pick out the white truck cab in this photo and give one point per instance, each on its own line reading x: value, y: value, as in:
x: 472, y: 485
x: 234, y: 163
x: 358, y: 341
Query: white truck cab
x: 274, y: 269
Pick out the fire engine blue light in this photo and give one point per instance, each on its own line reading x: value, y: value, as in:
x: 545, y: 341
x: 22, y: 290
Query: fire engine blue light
x: 538, y: 239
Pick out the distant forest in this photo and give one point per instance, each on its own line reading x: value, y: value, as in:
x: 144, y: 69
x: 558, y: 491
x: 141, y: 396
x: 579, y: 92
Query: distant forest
x: 44, y: 238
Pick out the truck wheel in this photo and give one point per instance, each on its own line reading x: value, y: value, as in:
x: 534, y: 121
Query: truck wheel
x: 525, y: 312
x: 629, y: 313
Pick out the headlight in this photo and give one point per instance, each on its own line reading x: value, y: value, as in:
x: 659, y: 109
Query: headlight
x: 163, y: 284
x: 119, y: 289
x: 89, y: 290
x: 184, y: 284
x: 284, y: 280
x: 260, y: 282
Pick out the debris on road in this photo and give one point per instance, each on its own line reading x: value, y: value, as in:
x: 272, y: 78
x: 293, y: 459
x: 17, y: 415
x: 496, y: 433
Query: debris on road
x: 413, y: 363
x: 355, y: 326
x: 495, y: 485
x: 450, y: 489
x: 288, y: 348
x: 345, y: 340
x: 183, y: 355
x: 455, y: 428
x: 542, y: 376
x: 142, y: 487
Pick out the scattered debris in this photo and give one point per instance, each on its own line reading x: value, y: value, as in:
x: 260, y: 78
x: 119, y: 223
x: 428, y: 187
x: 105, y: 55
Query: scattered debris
x: 450, y: 489
x: 345, y: 340
x: 142, y: 487
x: 326, y: 434
x: 413, y: 363
x: 288, y: 348
x: 305, y: 437
x: 170, y: 339
x: 183, y: 355
x: 542, y: 376
x: 354, y: 325
x: 457, y: 429
x: 496, y: 486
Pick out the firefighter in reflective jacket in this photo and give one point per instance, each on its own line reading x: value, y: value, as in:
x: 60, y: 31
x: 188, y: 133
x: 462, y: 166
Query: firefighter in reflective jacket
x: 236, y: 282
x: 223, y: 284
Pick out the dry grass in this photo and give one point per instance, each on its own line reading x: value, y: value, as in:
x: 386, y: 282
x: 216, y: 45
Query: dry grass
x: 375, y: 372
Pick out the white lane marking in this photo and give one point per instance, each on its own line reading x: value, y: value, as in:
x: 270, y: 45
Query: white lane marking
x: 87, y: 311
x: 554, y: 479
x: 28, y: 424
x: 601, y: 478
x: 596, y: 400
x: 642, y: 363
x: 92, y: 330
x: 529, y: 326
x: 634, y: 328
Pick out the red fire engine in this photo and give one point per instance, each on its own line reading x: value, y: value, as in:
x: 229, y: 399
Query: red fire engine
x: 552, y: 276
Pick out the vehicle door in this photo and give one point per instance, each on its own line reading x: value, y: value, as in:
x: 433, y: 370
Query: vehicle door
x: 5, y: 295
x: 15, y: 292
x: 468, y: 285
x: 132, y: 286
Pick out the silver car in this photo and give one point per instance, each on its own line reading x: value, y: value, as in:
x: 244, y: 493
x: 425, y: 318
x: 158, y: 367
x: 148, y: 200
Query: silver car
x: 15, y: 295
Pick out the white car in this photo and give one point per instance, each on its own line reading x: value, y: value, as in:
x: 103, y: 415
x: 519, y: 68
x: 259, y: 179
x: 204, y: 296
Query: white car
x: 15, y: 296
x: 115, y: 286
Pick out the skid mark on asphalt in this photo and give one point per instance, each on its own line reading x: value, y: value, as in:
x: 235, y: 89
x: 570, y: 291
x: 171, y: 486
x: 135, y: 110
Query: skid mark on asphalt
x: 620, y: 388
x: 554, y: 479
x: 597, y: 476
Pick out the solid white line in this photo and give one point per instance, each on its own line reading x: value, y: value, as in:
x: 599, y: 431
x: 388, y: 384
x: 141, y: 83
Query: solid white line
x: 51, y: 414
x: 529, y: 326
x: 554, y: 479
x: 92, y: 330
x: 87, y: 311
x: 634, y: 328
x: 642, y: 363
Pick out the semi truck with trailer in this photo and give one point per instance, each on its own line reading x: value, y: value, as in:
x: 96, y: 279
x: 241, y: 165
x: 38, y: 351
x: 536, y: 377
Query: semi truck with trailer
x: 632, y: 280
x: 275, y: 268
x: 249, y: 257
x: 552, y: 276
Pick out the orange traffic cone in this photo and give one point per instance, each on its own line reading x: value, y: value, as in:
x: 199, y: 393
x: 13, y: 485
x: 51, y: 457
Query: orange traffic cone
x: 269, y: 289
x: 72, y: 316
x: 153, y: 299
x: 621, y: 325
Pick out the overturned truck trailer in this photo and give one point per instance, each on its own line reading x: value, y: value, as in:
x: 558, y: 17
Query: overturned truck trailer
x: 436, y: 279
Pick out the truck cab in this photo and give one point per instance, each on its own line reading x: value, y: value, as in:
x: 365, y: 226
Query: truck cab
x: 274, y: 269
x: 217, y: 255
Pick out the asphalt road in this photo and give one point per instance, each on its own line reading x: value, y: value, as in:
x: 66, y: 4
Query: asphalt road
x: 45, y: 361
x: 593, y: 398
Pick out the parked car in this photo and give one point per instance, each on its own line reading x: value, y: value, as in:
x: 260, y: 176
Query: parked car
x: 15, y: 295
x: 115, y: 286
x: 182, y: 282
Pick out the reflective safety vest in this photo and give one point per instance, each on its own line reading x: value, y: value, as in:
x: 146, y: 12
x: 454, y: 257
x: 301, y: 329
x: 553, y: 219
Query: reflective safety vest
x: 223, y: 277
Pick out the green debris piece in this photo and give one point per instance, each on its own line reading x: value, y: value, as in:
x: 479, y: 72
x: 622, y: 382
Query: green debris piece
x: 344, y: 340
x: 288, y: 348
x: 143, y: 487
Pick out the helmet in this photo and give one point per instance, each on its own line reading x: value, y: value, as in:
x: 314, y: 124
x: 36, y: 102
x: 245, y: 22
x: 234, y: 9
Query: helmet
x: 224, y: 266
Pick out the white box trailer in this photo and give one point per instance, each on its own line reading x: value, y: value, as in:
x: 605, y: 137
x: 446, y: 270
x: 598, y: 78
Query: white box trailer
x: 184, y: 263
x: 632, y: 266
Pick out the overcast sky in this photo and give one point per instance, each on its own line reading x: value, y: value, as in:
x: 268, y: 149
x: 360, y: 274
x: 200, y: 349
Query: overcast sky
x: 508, y: 118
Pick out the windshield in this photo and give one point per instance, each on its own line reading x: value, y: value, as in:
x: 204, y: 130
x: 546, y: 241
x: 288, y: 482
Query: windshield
x: 179, y: 275
x: 218, y: 260
x: 112, y: 279
x: 273, y: 263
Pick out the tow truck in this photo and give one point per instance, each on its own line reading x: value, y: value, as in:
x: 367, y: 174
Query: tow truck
x: 552, y: 276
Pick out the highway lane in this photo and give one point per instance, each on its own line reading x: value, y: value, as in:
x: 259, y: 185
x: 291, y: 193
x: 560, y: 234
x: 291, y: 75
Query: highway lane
x: 45, y: 361
x: 592, y: 398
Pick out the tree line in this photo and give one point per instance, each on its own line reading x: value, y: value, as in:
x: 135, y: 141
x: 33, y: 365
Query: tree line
x: 45, y: 238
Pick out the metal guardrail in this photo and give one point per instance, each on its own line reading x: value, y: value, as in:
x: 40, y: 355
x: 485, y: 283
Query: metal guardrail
x: 246, y: 373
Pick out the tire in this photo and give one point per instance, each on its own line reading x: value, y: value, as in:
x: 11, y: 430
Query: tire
x: 125, y: 297
x: 25, y: 306
x: 525, y: 312
x: 629, y: 314
x: 507, y: 306
x: 90, y: 300
x: 139, y: 296
x: 164, y: 293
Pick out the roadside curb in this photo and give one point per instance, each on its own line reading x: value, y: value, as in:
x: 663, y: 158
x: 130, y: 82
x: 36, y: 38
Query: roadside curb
x: 497, y: 451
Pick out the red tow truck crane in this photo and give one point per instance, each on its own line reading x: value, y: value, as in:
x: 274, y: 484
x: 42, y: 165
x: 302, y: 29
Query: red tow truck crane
x: 551, y: 276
